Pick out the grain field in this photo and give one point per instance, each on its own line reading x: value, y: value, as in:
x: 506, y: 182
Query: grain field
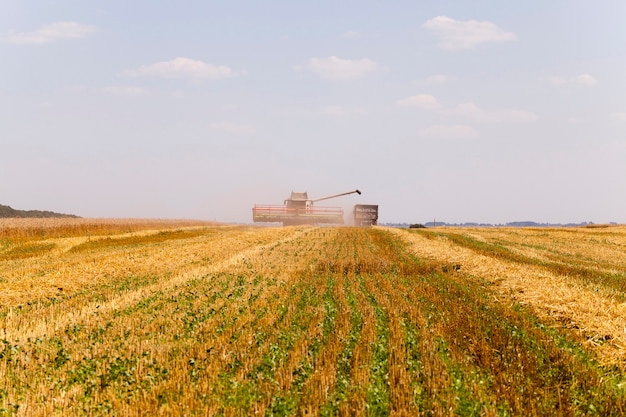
x: 181, y: 318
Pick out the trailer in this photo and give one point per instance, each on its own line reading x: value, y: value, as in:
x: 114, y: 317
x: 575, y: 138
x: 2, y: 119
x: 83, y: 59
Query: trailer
x: 365, y: 215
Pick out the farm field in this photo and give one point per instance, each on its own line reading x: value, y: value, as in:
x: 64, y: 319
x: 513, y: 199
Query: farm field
x: 171, y: 318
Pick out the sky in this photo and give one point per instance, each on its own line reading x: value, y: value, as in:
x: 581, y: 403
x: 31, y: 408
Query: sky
x: 457, y: 111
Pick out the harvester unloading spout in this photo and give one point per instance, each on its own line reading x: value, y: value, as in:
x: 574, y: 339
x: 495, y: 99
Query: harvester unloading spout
x: 336, y: 195
x: 299, y: 209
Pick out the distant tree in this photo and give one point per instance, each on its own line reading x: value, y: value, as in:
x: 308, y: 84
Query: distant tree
x: 417, y: 226
x: 9, y: 212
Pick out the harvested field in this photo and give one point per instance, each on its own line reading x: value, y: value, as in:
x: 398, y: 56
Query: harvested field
x: 189, y: 319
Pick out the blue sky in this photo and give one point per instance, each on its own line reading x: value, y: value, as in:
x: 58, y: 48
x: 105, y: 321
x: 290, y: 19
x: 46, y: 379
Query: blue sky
x: 484, y: 111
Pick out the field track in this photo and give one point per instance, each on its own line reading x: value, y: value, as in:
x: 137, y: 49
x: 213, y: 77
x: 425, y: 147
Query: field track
x: 178, y: 318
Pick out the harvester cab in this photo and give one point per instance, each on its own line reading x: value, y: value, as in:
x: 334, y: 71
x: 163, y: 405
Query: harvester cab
x: 298, y: 201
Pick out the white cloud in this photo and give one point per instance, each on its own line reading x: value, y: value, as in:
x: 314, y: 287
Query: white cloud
x: 455, y: 34
x: 422, y: 101
x: 183, y: 68
x: 619, y: 116
x: 449, y: 132
x: 586, y: 80
x: 339, y: 69
x: 232, y: 128
x: 471, y: 112
x: 124, y: 91
x: 51, y: 33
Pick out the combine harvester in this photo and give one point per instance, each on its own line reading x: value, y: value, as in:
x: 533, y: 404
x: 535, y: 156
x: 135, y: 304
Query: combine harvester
x: 299, y: 209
